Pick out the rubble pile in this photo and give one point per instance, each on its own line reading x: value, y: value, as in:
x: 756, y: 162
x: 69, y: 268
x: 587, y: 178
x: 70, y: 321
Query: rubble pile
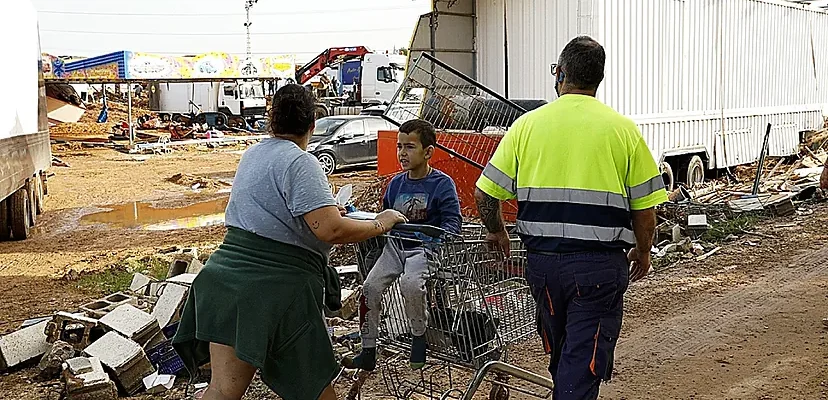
x: 120, y: 344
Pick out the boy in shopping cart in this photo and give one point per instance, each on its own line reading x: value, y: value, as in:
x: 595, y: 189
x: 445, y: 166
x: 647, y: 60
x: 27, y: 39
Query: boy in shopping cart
x: 425, y: 196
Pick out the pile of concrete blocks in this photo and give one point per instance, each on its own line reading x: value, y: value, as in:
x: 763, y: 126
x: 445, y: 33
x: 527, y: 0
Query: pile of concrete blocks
x: 76, y: 329
x: 125, y: 358
x: 101, y: 307
x: 132, y: 323
x: 86, y: 380
x: 24, y: 345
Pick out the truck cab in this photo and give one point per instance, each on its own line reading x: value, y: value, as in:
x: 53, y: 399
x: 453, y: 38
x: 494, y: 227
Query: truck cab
x: 243, y: 98
x: 380, y: 79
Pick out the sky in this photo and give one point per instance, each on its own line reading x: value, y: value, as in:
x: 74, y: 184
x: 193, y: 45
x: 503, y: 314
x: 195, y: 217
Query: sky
x: 177, y: 27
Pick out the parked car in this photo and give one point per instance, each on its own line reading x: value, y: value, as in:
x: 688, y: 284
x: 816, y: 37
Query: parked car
x: 346, y: 140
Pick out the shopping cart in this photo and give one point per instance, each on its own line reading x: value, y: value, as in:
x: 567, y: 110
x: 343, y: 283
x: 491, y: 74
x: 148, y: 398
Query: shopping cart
x: 479, y: 305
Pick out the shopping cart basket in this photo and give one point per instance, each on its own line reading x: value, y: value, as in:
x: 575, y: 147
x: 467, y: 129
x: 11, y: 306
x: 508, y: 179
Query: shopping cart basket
x: 479, y: 303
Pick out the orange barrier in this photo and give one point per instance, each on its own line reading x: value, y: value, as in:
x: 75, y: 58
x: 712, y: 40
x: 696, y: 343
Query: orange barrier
x: 464, y: 174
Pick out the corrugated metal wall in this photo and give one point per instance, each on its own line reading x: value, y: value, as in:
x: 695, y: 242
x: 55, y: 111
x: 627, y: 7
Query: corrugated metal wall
x: 676, y: 66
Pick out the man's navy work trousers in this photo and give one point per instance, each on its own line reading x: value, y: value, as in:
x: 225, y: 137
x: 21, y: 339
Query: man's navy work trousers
x: 580, y: 300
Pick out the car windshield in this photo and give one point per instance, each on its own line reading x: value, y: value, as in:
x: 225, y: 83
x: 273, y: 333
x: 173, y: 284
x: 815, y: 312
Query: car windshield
x: 327, y: 126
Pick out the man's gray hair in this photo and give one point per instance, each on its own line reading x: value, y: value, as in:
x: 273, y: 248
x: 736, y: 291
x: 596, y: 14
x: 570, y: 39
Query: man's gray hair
x: 582, y: 61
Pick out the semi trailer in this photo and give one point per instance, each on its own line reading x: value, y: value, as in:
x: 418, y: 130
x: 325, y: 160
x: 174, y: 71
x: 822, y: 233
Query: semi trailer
x: 25, y: 153
x: 701, y: 78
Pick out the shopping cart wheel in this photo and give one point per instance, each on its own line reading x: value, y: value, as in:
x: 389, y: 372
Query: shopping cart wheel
x: 498, y: 392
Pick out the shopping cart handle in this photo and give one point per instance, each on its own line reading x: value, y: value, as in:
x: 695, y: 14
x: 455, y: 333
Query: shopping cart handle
x: 428, y: 230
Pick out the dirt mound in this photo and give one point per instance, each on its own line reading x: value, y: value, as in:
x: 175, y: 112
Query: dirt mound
x: 196, y: 182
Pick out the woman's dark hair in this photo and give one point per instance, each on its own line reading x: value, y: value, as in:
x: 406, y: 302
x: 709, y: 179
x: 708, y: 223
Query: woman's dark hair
x: 292, y: 111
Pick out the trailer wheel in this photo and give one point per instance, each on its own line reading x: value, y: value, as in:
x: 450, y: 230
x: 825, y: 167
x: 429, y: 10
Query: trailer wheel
x: 40, y: 194
x: 20, y: 217
x: 695, y: 172
x: 5, y: 223
x: 32, y: 192
x: 667, y: 175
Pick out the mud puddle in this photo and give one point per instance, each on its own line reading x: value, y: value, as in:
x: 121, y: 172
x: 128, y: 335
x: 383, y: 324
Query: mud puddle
x: 142, y: 215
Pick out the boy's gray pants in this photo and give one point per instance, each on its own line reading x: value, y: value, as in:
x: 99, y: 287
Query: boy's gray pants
x: 411, y: 266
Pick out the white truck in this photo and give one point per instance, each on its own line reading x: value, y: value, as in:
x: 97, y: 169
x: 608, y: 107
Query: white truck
x: 240, y: 101
x: 364, y: 79
x: 701, y: 78
x: 25, y: 153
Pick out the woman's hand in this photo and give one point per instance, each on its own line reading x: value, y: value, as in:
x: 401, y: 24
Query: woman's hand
x: 389, y: 218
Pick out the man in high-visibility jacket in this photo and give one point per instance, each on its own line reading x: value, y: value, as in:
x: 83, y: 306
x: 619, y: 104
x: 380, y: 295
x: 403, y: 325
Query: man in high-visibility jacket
x: 586, y: 186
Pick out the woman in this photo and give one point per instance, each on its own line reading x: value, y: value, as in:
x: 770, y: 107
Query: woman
x: 258, y: 302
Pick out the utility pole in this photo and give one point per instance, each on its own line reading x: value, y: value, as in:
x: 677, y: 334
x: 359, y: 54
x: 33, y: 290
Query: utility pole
x: 248, y: 4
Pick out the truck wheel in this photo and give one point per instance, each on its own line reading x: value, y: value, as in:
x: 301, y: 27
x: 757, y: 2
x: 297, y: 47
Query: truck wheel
x: 32, y: 192
x: 236, y: 122
x: 328, y: 162
x: 695, y: 172
x: 667, y: 175
x: 5, y: 224
x: 40, y: 194
x: 20, y: 217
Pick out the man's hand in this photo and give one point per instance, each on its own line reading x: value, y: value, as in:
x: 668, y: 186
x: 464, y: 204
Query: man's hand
x: 342, y: 210
x: 499, y: 242
x: 640, y: 266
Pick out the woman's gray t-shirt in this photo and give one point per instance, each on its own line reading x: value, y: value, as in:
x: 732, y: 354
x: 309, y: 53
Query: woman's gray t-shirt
x: 276, y: 184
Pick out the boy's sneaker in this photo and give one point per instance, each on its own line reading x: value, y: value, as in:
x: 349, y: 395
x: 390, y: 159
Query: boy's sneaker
x: 418, y: 352
x: 366, y: 360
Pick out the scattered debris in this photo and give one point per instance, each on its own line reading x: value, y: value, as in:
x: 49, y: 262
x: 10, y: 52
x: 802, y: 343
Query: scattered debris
x: 125, y: 358
x: 76, y: 329
x: 100, y: 307
x: 86, y: 379
x: 23, y: 345
x: 52, y: 362
x: 133, y: 323
x: 156, y: 383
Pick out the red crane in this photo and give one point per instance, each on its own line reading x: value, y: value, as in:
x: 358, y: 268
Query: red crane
x: 334, y: 55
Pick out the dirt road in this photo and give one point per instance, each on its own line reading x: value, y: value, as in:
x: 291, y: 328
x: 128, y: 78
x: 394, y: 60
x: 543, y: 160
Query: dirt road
x: 743, y: 324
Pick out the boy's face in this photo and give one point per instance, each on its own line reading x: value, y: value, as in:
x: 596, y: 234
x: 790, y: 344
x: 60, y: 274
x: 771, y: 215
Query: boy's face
x: 410, y: 151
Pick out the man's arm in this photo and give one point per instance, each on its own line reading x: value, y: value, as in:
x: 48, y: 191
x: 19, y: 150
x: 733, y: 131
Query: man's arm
x: 489, y: 209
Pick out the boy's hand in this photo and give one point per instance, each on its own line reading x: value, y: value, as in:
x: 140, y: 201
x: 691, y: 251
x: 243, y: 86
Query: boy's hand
x: 499, y: 242
x: 342, y: 210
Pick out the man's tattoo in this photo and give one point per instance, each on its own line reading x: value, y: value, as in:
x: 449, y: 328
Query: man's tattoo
x: 315, y: 225
x: 378, y: 225
x: 489, y: 209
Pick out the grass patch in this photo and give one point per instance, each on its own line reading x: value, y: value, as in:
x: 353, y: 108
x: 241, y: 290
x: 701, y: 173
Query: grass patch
x: 720, y: 230
x: 118, y: 277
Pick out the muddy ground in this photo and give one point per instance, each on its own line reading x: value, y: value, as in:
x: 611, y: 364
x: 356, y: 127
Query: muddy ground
x: 743, y: 324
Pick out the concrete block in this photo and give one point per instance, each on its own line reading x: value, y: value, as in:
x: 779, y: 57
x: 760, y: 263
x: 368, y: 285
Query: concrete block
x: 23, y: 345
x: 155, y: 289
x: 125, y: 358
x: 34, y: 321
x: 101, y: 307
x: 132, y: 323
x: 90, y: 382
x: 168, y: 308
x: 78, y: 365
x: 184, y: 279
x: 52, y: 362
x: 140, y: 284
x: 195, y: 267
x: 75, y: 329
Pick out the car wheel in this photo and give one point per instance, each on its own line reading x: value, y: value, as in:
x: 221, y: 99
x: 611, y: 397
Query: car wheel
x: 328, y: 162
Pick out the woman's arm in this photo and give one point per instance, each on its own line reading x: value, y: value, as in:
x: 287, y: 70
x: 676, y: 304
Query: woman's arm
x: 329, y: 226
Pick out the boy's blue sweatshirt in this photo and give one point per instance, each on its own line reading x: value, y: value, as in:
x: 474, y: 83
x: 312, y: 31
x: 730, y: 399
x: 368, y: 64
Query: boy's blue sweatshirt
x: 428, y: 201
